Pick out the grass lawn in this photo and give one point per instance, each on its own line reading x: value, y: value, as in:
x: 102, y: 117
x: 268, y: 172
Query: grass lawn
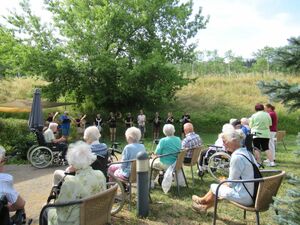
x: 171, y: 209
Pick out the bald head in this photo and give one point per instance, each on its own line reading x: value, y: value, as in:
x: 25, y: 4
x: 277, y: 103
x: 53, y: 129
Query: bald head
x: 188, y: 128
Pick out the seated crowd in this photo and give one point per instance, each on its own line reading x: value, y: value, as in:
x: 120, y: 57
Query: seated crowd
x: 89, y: 162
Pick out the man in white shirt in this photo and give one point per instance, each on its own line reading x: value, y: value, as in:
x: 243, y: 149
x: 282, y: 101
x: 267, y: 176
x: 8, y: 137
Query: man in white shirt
x: 50, y: 138
x: 15, y: 201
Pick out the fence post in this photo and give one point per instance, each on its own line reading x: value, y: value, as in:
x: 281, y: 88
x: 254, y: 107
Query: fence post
x: 142, y: 170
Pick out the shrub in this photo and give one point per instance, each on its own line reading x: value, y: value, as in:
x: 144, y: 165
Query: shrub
x: 15, y: 134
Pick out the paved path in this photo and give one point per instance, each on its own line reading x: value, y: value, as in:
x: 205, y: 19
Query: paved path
x: 34, y: 186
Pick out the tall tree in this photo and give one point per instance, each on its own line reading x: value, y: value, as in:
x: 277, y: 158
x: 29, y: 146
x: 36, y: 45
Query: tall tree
x: 288, y: 94
x: 113, y: 52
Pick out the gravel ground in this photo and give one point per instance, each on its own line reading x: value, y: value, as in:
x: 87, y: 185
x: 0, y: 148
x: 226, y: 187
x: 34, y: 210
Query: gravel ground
x: 34, y: 186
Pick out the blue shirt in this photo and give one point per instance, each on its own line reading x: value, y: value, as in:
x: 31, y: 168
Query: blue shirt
x: 99, y: 149
x: 130, y: 151
x: 170, y: 144
x: 65, y: 122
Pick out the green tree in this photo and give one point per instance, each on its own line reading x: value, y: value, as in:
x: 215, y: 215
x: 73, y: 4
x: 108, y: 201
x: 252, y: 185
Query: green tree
x: 115, y: 53
x: 288, y: 94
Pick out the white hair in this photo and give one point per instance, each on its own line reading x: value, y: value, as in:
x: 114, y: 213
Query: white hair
x: 53, y: 125
x: 133, y: 134
x: 245, y: 121
x: 92, y: 134
x: 2, y: 153
x: 233, y: 135
x: 169, y: 129
x: 227, y: 127
x: 80, y: 155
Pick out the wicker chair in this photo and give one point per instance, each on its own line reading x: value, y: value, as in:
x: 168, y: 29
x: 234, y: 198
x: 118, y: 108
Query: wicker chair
x: 130, y: 180
x: 267, y: 189
x: 280, y: 135
x: 194, y: 160
x: 178, y: 167
x: 94, y: 210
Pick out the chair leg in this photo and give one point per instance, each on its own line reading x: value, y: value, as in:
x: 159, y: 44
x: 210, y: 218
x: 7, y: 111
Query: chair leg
x: 176, y: 175
x: 215, y: 211
x: 192, y: 176
x: 184, y: 178
x: 257, y: 218
x: 284, y: 145
x: 129, y: 206
x: 245, y: 214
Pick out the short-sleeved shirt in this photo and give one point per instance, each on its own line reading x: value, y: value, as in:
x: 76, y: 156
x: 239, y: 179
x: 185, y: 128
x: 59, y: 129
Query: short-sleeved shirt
x: 99, y: 149
x: 130, y: 151
x: 141, y: 119
x: 170, y: 120
x: 65, y: 122
x: 170, y: 144
x: 274, y: 119
x: 49, y: 136
x: 192, y: 140
x: 112, y: 122
x: 260, y: 123
x: 7, y: 189
x: 128, y: 121
x: 156, y: 121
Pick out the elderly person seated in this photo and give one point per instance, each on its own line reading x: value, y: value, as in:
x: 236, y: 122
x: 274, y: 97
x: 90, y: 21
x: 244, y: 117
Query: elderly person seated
x: 51, y: 140
x: 240, y: 168
x: 91, y: 137
x: 191, y: 140
x: 122, y: 170
x: 166, y: 145
x: 86, y: 182
x: 15, y: 201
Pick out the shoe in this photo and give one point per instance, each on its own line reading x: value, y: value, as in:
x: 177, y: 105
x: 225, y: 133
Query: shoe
x: 197, y: 199
x: 200, y: 173
x: 266, y: 161
x: 198, y: 208
x: 271, y: 164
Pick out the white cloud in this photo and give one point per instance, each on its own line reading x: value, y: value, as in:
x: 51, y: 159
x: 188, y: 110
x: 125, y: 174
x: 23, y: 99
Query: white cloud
x: 243, y: 27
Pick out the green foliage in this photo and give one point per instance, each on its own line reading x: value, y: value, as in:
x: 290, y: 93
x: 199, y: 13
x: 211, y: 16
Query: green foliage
x: 115, y: 53
x: 15, y: 134
x: 288, y: 94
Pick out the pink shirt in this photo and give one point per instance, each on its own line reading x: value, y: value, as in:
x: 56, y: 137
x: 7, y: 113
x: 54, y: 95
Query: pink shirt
x: 273, y: 116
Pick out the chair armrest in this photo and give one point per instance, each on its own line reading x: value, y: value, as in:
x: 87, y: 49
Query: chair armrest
x: 121, y: 162
x: 56, y: 205
x: 161, y: 156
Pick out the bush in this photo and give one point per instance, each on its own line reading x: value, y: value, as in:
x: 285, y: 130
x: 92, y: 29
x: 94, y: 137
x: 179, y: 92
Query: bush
x: 15, y: 134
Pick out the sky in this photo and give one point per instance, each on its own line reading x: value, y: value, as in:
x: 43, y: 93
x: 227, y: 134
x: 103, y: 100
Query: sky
x: 243, y: 26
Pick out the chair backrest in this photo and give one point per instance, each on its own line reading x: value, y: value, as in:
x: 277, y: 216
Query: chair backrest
x: 280, y: 135
x: 95, y: 210
x: 180, y: 159
x: 195, y: 155
x: 268, y: 189
x: 132, y: 177
x: 40, y: 138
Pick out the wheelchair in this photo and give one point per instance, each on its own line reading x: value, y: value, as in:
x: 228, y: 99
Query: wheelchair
x: 17, y: 219
x: 42, y: 154
x: 216, y: 162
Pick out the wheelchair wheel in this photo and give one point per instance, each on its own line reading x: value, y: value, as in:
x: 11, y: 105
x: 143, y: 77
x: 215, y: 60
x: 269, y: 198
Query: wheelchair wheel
x: 41, y: 157
x: 218, y: 165
x: 30, y: 150
x: 119, y: 200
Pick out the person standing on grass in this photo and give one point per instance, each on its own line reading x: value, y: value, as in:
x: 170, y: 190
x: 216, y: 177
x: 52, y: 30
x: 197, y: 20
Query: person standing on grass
x: 141, y: 120
x: 99, y: 122
x: 112, y: 123
x: 156, y: 125
x: 170, y: 118
x: 186, y: 118
x: 273, y: 129
x: 128, y: 121
x: 260, y: 123
x: 191, y: 141
x: 65, y: 124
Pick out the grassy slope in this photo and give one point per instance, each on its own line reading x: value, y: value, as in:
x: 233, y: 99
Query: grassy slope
x: 213, y: 100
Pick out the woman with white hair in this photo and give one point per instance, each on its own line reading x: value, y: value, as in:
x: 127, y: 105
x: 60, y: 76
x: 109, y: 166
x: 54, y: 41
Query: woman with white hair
x: 122, y: 170
x: 91, y: 137
x: 240, y: 168
x: 85, y: 183
x: 166, y: 145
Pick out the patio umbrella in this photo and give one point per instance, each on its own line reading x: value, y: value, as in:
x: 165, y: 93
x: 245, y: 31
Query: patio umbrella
x: 36, y: 120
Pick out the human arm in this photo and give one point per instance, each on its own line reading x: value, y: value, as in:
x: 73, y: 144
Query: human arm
x: 19, y: 204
